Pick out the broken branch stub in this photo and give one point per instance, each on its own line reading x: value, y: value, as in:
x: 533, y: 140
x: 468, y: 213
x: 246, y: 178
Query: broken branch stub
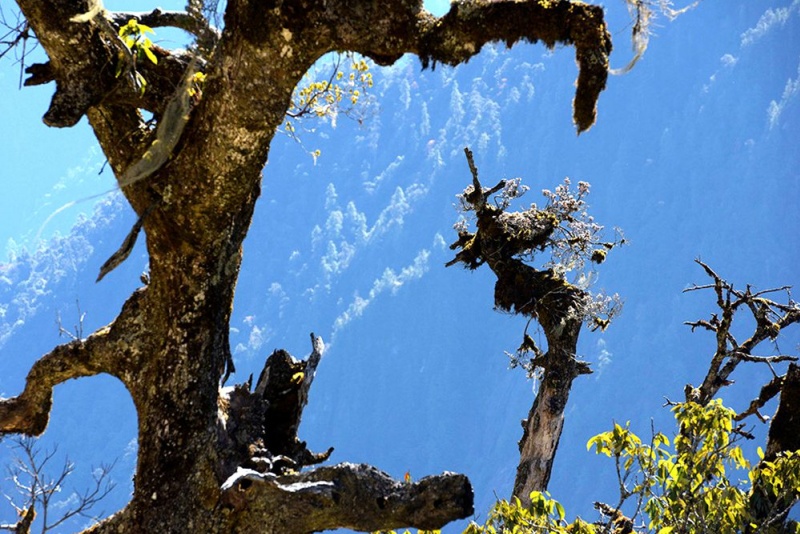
x: 258, y: 428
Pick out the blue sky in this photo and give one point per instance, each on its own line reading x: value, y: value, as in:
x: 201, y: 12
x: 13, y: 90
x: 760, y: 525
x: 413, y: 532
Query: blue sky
x: 694, y: 155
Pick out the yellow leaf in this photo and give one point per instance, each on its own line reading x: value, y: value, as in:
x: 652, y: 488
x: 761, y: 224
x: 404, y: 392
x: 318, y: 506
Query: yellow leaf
x: 150, y: 55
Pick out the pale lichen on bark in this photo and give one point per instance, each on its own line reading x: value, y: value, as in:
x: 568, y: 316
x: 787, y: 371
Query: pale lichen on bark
x: 169, y: 345
x: 499, y: 241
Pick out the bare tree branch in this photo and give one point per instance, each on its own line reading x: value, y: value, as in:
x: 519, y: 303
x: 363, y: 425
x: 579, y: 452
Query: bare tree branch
x: 770, y: 318
x: 39, y: 489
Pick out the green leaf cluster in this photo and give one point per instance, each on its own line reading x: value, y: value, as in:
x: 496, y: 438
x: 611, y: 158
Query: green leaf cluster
x: 321, y: 97
x: 689, y: 487
x: 543, y: 515
x: 134, y: 36
x: 407, y: 532
x: 140, y: 47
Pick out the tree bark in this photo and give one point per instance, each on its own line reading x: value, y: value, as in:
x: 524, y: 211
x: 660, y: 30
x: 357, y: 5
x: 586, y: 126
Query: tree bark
x: 499, y: 240
x: 223, y: 462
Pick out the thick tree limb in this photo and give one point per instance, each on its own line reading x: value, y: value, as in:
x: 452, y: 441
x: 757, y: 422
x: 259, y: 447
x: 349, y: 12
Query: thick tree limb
x: 462, y: 32
x: 40, y: 73
x: 206, y: 190
x: 259, y: 428
x: 81, y: 58
x: 265, y: 489
x: 29, y: 412
x: 470, y: 24
x: 784, y: 436
x: 784, y: 431
x: 501, y: 237
x: 23, y: 526
x: 159, y: 18
x: 244, y: 109
x: 767, y: 393
x: 357, y: 497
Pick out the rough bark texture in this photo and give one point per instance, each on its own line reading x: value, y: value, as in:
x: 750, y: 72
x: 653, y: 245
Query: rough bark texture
x: 500, y: 239
x: 784, y: 432
x: 215, y: 461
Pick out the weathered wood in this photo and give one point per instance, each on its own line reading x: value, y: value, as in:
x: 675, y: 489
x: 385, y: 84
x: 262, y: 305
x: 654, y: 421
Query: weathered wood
x: 501, y: 237
x: 170, y: 346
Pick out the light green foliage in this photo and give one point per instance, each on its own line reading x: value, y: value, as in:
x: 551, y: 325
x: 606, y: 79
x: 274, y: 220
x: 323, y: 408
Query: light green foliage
x: 691, y: 488
x: 198, y: 79
x: 702, y: 483
x: 545, y: 515
x: 778, y: 482
x: 322, y: 97
x: 134, y: 36
x: 140, y: 47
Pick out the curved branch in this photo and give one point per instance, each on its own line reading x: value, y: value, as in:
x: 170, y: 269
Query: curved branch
x: 470, y: 24
x: 359, y: 497
x: 29, y: 412
x: 462, y: 32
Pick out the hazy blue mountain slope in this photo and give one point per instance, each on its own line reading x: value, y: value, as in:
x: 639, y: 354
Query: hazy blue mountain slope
x: 695, y: 154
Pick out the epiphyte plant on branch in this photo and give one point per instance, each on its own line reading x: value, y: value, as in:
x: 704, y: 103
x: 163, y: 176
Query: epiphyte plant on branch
x: 507, y: 241
x: 134, y: 35
x: 213, y: 460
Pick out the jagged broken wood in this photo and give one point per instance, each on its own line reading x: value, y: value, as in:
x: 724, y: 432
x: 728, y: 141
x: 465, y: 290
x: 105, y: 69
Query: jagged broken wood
x: 170, y: 345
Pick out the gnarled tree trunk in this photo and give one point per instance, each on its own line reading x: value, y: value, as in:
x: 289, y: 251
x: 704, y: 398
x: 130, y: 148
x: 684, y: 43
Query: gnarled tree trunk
x: 216, y: 460
x: 499, y: 241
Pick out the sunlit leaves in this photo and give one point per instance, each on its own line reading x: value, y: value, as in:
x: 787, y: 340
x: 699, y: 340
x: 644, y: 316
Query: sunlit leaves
x: 342, y: 91
x: 544, y: 514
x: 134, y: 36
x: 140, y: 47
x: 407, y: 532
x: 339, y: 93
x: 196, y: 84
x: 690, y: 486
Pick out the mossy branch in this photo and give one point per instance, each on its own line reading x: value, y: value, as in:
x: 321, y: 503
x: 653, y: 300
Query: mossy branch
x: 358, y: 497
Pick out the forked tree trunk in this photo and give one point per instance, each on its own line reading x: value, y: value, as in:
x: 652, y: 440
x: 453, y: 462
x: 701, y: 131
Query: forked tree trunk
x: 211, y: 462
